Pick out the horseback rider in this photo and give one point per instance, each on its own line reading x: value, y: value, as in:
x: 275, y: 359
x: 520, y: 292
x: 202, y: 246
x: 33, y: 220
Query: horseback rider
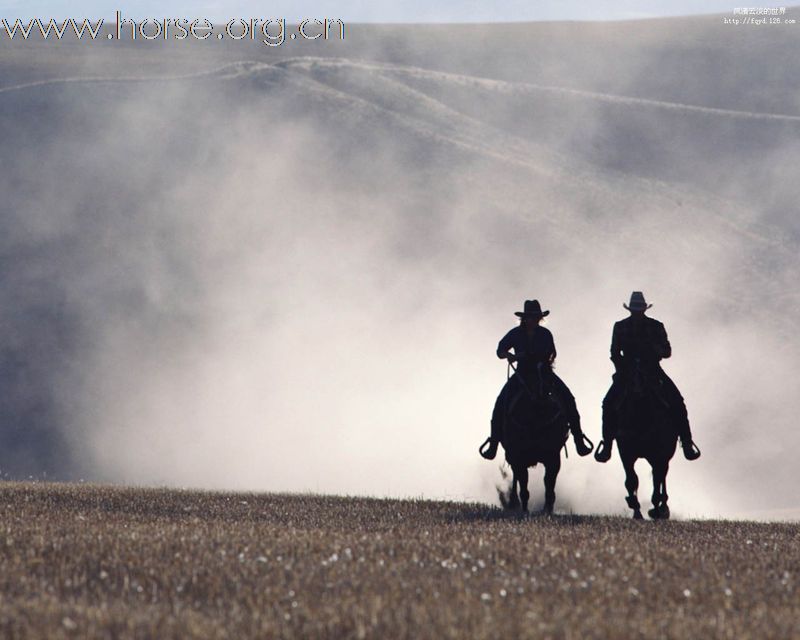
x: 534, y: 352
x: 642, y: 339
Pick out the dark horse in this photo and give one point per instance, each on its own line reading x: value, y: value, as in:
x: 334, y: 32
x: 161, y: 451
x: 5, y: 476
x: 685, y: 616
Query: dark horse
x: 646, y: 430
x: 535, y: 429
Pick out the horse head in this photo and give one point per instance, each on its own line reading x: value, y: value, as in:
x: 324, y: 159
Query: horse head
x: 641, y: 406
x: 534, y: 415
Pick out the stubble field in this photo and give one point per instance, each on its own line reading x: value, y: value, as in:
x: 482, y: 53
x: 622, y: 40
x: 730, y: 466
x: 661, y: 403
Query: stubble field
x: 96, y: 561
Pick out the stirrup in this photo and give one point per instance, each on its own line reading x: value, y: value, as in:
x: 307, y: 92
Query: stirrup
x: 488, y: 447
x: 603, y: 453
x: 583, y: 445
x: 690, y: 450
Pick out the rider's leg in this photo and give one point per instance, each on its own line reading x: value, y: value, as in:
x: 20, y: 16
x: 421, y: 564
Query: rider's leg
x: 603, y: 453
x: 573, y: 417
x: 681, y: 419
x: 498, y: 418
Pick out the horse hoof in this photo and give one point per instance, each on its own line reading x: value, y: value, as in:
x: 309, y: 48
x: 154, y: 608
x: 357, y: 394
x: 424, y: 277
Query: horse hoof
x: 547, y: 510
x: 637, y: 515
x: 659, y: 513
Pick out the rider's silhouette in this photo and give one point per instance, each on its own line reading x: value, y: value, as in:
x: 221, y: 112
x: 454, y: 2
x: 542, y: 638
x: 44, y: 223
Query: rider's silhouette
x: 641, y: 339
x: 534, y: 353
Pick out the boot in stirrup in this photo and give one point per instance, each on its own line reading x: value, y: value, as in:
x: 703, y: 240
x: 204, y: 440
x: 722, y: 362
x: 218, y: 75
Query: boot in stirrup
x: 603, y: 453
x: 690, y: 449
x: 583, y: 445
x: 489, y: 449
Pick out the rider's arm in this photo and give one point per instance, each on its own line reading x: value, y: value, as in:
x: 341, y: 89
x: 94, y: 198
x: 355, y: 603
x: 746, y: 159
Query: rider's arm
x: 616, y: 348
x: 505, y: 344
x: 661, y: 344
x: 552, y: 350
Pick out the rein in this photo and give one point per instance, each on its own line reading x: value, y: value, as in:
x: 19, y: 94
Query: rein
x: 525, y: 384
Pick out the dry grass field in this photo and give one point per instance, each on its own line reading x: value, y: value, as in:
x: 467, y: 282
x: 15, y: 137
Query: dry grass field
x: 81, y: 561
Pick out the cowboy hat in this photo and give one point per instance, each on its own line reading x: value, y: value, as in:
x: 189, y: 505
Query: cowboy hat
x: 532, y: 309
x: 637, y: 302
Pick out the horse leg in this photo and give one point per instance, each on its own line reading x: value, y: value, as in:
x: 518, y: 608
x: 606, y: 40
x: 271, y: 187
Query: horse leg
x: 524, y: 494
x: 660, y: 510
x: 664, y: 496
x: 632, y: 485
x: 551, y: 469
x: 513, y: 497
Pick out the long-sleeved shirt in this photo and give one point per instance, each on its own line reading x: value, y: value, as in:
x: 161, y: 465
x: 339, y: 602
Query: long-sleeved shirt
x: 645, y: 338
x: 529, y: 349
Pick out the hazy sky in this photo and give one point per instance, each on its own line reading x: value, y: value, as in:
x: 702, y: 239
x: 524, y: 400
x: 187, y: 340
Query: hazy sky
x: 376, y: 10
